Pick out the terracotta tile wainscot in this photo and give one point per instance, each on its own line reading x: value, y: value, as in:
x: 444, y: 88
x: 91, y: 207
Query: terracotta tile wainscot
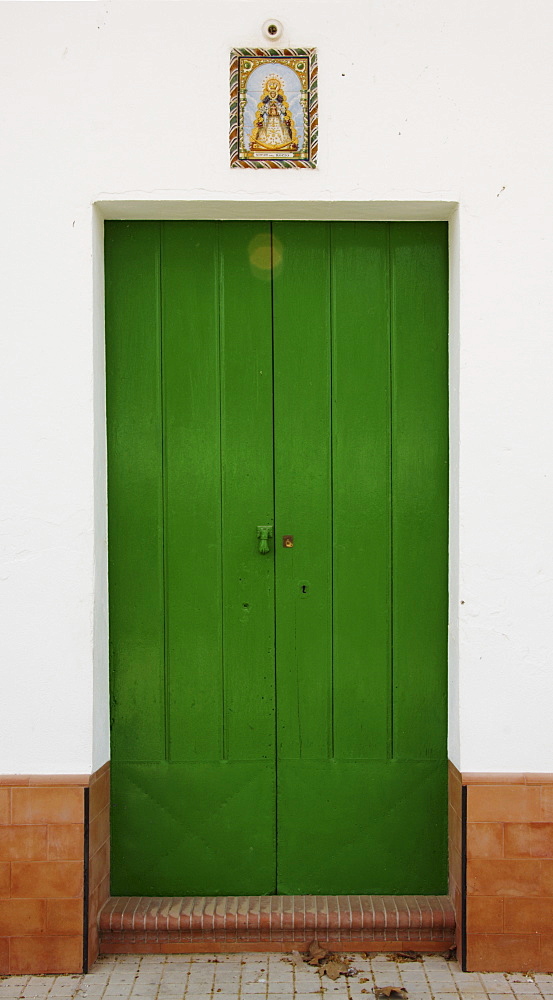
x: 54, y: 870
x: 501, y: 862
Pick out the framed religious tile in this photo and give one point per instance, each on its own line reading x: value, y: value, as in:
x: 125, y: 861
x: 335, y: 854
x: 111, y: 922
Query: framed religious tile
x: 273, y: 108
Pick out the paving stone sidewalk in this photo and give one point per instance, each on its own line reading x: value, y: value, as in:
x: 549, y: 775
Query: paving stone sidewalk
x: 270, y: 977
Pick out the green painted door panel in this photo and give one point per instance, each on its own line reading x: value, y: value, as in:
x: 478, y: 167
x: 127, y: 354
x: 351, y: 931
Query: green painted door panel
x: 361, y: 490
x: 360, y: 469
x: 418, y: 256
x: 135, y: 436
x: 200, y: 435
x: 279, y: 720
x: 373, y: 826
x: 182, y: 829
x: 301, y: 296
x: 247, y: 499
x: 192, y: 493
x: 217, y: 418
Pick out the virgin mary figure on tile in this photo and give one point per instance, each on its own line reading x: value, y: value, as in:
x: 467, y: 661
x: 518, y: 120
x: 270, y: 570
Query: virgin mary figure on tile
x: 274, y: 127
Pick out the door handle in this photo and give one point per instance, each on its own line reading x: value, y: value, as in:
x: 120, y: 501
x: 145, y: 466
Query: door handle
x: 264, y: 532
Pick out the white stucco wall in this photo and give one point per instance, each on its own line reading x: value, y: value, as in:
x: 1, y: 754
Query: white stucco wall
x: 122, y: 109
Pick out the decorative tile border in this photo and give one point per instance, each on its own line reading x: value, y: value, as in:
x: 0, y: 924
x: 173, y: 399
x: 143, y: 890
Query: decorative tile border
x: 242, y: 62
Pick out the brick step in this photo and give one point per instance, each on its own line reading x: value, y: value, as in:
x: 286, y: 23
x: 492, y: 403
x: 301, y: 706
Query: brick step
x: 148, y: 924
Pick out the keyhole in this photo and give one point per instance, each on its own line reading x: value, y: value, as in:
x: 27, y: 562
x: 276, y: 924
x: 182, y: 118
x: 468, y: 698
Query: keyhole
x: 304, y: 588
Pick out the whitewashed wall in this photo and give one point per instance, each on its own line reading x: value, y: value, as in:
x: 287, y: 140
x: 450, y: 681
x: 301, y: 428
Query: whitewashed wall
x: 112, y: 109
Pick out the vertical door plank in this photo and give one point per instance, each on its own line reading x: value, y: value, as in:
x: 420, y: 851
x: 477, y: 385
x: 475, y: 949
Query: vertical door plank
x: 361, y: 489
x: 419, y: 487
x: 301, y: 298
x: 135, y: 500
x: 247, y: 491
x: 193, y: 487
x: 338, y: 814
x: 216, y: 797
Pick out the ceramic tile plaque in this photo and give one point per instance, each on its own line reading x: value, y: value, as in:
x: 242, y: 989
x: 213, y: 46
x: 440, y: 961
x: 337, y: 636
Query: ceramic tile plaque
x: 273, y: 108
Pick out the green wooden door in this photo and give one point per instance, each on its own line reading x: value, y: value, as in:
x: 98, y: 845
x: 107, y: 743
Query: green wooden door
x: 278, y: 720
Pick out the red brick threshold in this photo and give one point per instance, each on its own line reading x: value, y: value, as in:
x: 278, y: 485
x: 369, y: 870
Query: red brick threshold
x: 146, y: 925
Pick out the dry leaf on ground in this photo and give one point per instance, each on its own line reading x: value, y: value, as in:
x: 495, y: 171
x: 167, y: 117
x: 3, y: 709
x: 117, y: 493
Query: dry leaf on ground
x: 326, y: 963
x: 390, y: 991
x: 335, y: 968
x: 315, y: 953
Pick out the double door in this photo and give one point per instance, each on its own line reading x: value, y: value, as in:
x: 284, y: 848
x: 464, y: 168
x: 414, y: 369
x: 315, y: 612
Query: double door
x: 278, y: 717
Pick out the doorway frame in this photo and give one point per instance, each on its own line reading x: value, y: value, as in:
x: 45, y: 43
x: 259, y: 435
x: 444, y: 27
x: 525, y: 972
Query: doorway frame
x: 263, y: 210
